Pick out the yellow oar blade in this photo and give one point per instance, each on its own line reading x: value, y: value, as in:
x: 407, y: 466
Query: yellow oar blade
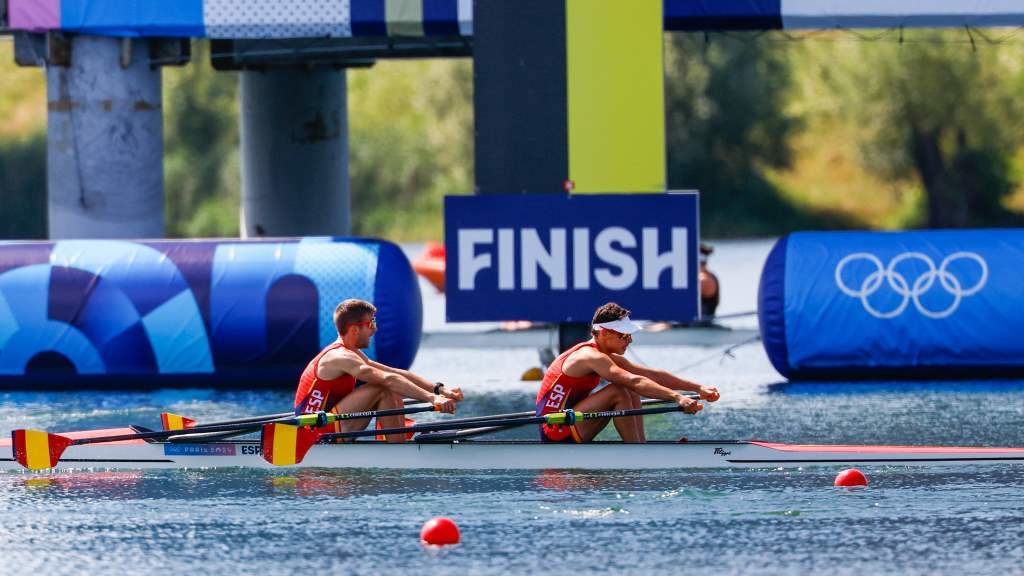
x: 38, y: 450
x: 176, y: 422
x: 284, y: 444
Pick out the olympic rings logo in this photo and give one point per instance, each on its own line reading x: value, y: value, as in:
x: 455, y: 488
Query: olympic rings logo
x: 907, y: 291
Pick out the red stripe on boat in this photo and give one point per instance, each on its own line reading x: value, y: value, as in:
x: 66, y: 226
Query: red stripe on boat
x: 884, y: 449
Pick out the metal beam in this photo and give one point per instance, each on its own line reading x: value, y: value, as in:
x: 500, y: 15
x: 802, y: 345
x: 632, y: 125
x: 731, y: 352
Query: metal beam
x: 340, y: 52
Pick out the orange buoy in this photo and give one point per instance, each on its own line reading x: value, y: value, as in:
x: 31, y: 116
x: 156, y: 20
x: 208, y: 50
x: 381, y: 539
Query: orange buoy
x: 431, y: 263
x: 439, y: 531
x: 851, y: 477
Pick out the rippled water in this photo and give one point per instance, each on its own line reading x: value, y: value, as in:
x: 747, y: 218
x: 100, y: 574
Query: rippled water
x: 942, y: 520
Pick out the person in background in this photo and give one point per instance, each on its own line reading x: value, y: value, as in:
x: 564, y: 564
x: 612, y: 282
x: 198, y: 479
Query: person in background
x: 708, y: 282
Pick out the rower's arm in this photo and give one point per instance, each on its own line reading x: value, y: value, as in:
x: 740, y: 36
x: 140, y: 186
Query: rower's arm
x: 453, y: 393
x: 395, y: 382
x: 416, y: 379
x: 642, y: 385
x: 336, y: 363
x: 666, y: 378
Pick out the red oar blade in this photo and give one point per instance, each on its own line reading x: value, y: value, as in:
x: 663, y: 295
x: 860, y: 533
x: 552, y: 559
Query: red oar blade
x: 284, y: 444
x: 408, y: 435
x: 176, y: 422
x: 38, y: 450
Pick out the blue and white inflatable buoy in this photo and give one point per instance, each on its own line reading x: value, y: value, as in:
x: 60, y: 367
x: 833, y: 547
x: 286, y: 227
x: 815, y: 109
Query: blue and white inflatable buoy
x: 138, y: 313
x: 850, y: 305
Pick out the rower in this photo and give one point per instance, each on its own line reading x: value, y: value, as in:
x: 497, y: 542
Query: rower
x: 572, y: 377
x: 329, y: 380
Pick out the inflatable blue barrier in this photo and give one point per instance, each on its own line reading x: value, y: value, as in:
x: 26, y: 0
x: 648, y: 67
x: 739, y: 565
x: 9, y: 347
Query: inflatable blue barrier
x: 855, y: 305
x: 222, y: 313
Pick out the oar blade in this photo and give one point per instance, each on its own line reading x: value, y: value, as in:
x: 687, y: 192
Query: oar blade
x: 175, y: 422
x: 38, y: 450
x: 284, y: 444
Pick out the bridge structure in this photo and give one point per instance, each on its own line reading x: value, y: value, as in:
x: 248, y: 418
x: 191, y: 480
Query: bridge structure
x: 568, y: 94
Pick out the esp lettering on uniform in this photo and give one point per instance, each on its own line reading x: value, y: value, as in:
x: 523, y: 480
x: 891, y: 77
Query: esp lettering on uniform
x: 316, y: 400
x: 555, y: 397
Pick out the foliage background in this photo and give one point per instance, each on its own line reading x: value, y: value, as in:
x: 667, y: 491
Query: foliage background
x: 779, y: 132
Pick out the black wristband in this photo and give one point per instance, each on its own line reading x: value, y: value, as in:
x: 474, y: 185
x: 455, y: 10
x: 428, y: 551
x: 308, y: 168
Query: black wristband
x: 437, y: 388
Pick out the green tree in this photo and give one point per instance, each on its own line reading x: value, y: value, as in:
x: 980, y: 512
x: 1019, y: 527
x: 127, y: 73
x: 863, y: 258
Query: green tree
x: 23, y: 187
x: 201, y: 153
x: 726, y: 121
x: 935, y: 110
x: 410, y: 143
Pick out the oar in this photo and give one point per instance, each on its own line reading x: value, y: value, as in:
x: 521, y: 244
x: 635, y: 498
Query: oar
x: 285, y: 444
x: 446, y: 436
x: 38, y: 450
x: 528, y: 413
x: 173, y: 421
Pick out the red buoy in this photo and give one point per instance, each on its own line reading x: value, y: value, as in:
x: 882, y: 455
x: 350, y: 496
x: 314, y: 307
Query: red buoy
x: 851, y: 477
x: 439, y: 531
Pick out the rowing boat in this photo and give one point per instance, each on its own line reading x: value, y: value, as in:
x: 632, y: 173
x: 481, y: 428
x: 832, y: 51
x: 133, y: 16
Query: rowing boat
x: 510, y: 455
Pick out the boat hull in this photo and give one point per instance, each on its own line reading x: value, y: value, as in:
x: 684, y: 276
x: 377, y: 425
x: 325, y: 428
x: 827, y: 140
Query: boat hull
x: 511, y: 455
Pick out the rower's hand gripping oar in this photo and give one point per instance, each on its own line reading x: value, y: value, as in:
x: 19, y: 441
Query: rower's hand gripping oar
x: 38, y: 450
x: 285, y: 444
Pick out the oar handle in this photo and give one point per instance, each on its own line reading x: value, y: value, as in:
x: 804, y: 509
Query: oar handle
x: 322, y: 418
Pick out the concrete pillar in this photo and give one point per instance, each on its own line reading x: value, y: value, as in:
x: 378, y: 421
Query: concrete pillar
x: 105, y: 147
x: 294, y: 139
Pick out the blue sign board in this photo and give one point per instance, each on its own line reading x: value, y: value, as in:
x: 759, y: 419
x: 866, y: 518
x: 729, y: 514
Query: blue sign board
x: 555, y: 258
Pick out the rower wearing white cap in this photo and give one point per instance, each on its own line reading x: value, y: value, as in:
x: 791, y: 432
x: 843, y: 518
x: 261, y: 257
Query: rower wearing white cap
x: 572, y: 377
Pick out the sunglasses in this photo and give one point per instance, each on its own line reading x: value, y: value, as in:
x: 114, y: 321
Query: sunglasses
x: 621, y: 336
x: 367, y: 323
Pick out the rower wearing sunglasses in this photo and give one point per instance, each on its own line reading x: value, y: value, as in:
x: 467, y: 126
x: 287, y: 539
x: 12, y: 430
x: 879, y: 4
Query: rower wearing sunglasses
x: 329, y: 380
x: 572, y: 377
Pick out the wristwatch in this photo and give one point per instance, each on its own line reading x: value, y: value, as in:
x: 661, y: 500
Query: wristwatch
x: 437, y: 388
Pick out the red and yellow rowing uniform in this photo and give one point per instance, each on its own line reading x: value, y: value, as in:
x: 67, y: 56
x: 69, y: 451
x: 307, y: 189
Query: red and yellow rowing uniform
x: 559, y: 391
x: 314, y: 394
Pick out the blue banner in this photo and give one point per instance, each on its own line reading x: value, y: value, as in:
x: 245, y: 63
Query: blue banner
x: 555, y: 258
x: 930, y: 298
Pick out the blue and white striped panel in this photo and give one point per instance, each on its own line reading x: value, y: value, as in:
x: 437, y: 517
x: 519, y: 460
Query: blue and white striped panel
x: 412, y: 17
x: 820, y: 14
x: 276, y: 19
x: 345, y: 18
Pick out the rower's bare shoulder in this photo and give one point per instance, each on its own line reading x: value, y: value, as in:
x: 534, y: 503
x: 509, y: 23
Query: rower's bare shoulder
x: 337, y: 361
x: 586, y: 357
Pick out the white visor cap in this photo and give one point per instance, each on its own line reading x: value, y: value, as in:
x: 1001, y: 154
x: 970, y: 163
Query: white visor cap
x: 622, y: 326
